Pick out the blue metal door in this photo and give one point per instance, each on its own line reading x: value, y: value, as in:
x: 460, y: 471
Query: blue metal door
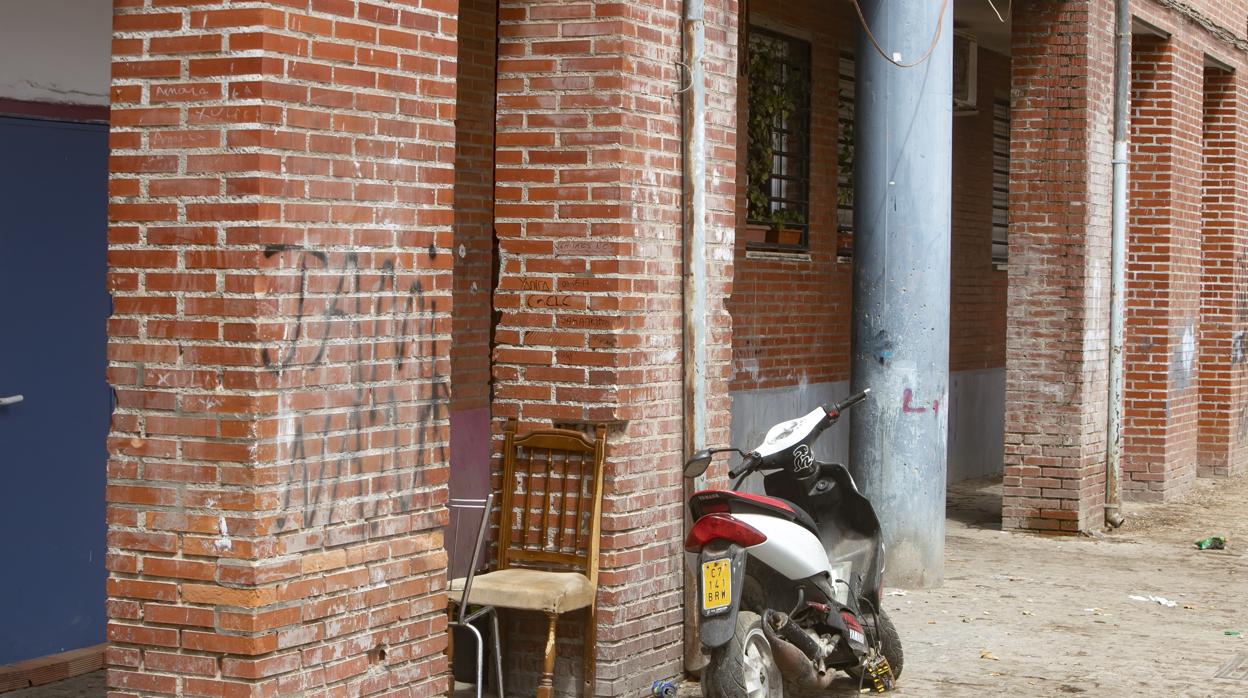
x: 53, y: 242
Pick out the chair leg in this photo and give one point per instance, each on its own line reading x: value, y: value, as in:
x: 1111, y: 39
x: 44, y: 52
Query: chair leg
x: 546, y: 688
x: 591, y: 641
x: 498, y: 653
x: 480, y: 663
x: 480, y: 656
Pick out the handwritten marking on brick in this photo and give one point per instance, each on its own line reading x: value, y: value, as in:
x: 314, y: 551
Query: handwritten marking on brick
x: 576, y: 283
x: 604, y: 341
x: 554, y: 300
x: 181, y: 91
x: 589, y: 248
x: 535, y: 284
x: 586, y: 322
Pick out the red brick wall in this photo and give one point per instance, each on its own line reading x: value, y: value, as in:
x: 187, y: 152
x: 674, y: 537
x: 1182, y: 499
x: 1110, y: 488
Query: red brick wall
x: 1058, y: 312
x: 978, y: 288
x: 1231, y: 14
x: 791, y: 313
x: 1055, y: 398
x: 474, y: 205
x: 588, y: 215
x: 1224, y: 306
x: 1163, y: 269
x: 280, y: 232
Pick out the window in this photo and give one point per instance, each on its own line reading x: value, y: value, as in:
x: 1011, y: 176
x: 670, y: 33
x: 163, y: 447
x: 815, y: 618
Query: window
x: 778, y: 136
x: 1000, y: 182
x: 845, y: 157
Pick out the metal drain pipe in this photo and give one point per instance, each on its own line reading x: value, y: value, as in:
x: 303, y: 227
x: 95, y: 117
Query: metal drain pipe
x: 694, y: 271
x: 1118, y: 266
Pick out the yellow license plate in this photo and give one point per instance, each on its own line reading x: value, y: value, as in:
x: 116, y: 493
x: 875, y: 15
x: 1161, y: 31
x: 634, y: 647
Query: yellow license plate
x: 716, y: 584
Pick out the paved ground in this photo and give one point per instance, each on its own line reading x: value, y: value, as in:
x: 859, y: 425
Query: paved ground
x: 1025, y: 615
x: 1032, y: 616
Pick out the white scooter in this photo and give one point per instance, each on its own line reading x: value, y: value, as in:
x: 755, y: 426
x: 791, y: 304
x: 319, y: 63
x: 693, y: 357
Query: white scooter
x: 790, y: 582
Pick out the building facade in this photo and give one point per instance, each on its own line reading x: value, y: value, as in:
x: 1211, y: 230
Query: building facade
x: 346, y: 240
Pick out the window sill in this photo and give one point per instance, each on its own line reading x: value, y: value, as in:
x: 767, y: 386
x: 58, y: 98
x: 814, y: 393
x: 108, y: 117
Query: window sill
x: 776, y: 254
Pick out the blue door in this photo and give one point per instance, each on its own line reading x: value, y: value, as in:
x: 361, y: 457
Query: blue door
x: 53, y: 241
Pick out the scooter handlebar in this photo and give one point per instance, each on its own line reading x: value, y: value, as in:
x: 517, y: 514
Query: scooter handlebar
x: 837, y: 408
x: 747, y: 464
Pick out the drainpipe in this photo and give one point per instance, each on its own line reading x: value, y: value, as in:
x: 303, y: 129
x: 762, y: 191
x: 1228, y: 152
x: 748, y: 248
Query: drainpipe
x: 1118, y: 264
x: 693, y: 239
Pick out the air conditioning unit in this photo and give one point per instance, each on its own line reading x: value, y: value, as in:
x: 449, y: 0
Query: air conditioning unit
x: 965, y: 58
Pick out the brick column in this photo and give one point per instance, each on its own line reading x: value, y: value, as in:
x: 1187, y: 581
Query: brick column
x: 279, y: 263
x: 1224, y: 303
x: 1058, y: 319
x: 1163, y: 270
x: 588, y: 214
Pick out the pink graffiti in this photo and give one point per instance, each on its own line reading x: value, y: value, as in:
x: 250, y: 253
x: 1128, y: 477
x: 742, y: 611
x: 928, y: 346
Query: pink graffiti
x: 907, y: 408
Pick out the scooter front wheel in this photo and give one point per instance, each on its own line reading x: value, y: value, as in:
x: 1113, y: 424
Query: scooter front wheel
x: 744, y: 668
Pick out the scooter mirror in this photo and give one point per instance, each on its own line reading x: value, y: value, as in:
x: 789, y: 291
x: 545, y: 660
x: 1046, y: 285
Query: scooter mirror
x: 698, y: 464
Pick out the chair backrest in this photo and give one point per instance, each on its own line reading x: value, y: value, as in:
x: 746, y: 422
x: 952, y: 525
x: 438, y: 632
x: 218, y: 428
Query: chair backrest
x: 468, y: 516
x: 552, y: 499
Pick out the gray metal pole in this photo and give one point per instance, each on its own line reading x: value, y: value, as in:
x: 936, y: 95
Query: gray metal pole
x: 1118, y: 266
x: 903, y: 124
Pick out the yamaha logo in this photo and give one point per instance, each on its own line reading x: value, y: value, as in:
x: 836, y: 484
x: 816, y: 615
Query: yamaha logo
x: 803, y: 462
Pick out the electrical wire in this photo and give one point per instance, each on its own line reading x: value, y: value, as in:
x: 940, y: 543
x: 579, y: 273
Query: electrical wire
x: 926, y: 55
x: 995, y: 11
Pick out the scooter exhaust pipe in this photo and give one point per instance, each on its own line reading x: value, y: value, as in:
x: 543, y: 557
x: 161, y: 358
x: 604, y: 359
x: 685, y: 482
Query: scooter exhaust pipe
x: 794, y: 651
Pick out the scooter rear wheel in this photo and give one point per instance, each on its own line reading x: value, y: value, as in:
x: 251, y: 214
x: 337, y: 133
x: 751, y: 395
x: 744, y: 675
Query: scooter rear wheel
x: 744, y: 668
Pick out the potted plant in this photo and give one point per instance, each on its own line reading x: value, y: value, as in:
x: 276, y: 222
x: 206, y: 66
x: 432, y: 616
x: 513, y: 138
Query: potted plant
x: 785, y: 228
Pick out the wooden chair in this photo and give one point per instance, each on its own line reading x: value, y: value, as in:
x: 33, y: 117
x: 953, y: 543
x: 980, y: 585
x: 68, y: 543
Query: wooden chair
x: 549, y: 527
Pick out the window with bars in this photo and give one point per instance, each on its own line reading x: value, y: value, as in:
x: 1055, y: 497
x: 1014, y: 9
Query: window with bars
x: 1000, y: 182
x: 845, y: 155
x: 778, y: 135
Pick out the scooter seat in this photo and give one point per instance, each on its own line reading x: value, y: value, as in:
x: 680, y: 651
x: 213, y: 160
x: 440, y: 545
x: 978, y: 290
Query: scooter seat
x: 710, y: 501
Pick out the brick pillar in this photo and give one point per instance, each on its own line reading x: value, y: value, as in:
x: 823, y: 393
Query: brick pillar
x: 1057, y: 334
x: 1163, y: 270
x: 588, y: 214
x: 279, y: 263
x: 1224, y: 302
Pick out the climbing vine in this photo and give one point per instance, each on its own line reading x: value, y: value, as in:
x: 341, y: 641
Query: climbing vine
x: 776, y: 92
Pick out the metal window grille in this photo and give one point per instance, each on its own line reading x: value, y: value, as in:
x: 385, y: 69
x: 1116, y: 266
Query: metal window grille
x: 788, y: 187
x: 845, y: 144
x: 1000, y: 182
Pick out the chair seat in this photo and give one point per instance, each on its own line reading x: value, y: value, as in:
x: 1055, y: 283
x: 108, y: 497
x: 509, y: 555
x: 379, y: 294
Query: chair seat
x: 531, y: 590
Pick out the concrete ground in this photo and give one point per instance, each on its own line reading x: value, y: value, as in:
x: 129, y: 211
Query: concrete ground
x: 1030, y: 616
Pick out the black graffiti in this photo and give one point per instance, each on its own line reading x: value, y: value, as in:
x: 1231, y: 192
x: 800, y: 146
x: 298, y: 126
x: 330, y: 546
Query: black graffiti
x: 347, y: 310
